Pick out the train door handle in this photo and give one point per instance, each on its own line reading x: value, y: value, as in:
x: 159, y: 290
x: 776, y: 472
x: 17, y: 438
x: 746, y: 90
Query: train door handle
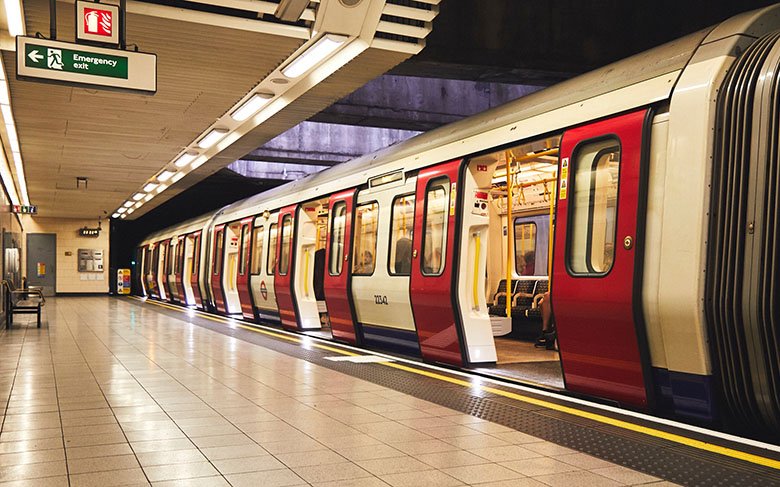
x: 414, y: 253
x: 628, y: 242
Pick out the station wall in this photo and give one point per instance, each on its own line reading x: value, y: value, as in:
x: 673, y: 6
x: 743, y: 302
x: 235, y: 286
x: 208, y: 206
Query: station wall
x: 68, y: 277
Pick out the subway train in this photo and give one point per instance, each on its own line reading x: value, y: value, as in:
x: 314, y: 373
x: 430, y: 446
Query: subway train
x: 643, y: 196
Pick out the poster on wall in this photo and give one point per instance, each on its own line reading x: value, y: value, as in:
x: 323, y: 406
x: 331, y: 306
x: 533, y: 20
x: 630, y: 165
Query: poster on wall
x: 90, y: 260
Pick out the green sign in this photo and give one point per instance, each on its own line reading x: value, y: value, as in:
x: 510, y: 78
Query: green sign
x: 75, y: 61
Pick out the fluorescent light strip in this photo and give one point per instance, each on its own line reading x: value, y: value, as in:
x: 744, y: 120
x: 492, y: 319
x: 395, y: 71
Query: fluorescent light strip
x: 162, y: 188
x: 130, y: 211
x: 149, y: 196
x: 128, y: 204
x: 8, y: 115
x: 212, y: 138
x: 185, y: 159
x: 150, y: 187
x: 177, y: 177
x: 115, y: 215
x: 165, y: 175
x: 312, y: 56
x: 252, y: 106
x: 5, y: 99
x: 121, y: 210
x: 8, y: 180
x: 13, y: 14
x: 138, y: 196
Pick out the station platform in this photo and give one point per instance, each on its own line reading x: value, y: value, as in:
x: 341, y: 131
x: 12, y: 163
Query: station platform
x: 118, y: 391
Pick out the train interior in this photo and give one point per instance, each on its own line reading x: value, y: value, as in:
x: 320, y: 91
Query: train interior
x: 230, y: 266
x: 310, y: 264
x: 521, y: 254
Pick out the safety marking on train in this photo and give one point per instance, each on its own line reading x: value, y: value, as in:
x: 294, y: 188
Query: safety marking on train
x: 476, y: 384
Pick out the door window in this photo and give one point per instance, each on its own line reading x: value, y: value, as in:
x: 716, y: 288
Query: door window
x: 364, y: 248
x: 435, y: 237
x: 337, y: 236
x: 270, y: 266
x: 284, y: 254
x: 218, y: 252
x: 243, y: 248
x: 196, y: 254
x: 594, y: 207
x: 400, y: 256
x: 257, y: 252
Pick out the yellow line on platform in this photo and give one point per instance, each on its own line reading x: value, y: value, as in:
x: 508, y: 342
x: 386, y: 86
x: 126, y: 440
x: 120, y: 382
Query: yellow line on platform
x: 698, y: 444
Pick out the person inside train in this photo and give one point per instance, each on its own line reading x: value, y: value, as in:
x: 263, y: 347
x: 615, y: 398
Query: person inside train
x: 549, y: 335
x: 529, y: 265
x: 403, y: 256
x: 433, y: 264
x: 366, y: 263
x: 319, y: 275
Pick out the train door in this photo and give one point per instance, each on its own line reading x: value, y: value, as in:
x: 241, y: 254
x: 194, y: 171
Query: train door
x: 284, y: 264
x: 229, y: 276
x: 195, y: 259
x: 142, y: 270
x: 598, y: 251
x: 153, y: 259
x: 263, y: 267
x: 162, y: 267
x: 216, y: 271
x: 382, y: 254
x: 432, y: 264
x: 309, y: 266
x: 336, y: 285
x: 187, y: 269
x: 242, y: 279
x: 178, y: 269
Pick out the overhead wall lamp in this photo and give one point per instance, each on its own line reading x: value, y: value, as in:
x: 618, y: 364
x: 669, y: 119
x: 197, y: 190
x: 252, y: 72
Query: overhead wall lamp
x: 251, y: 106
x: 212, y: 138
x: 185, y: 159
x: 324, y: 47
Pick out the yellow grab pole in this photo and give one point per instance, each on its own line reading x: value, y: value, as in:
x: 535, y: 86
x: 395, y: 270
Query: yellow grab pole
x: 509, y: 234
x: 475, y: 288
x: 550, y: 243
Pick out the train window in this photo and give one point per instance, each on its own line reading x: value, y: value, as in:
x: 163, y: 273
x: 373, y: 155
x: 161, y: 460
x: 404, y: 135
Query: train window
x: 364, y: 247
x: 594, y: 207
x: 181, y: 255
x: 400, y: 256
x: 257, y: 252
x: 243, y: 248
x: 525, y: 248
x: 218, y: 252
x: 284, y: 254
x: 435, y: 237
x: 337, y: 235
x: 270, y: 264
x: 196, y: 254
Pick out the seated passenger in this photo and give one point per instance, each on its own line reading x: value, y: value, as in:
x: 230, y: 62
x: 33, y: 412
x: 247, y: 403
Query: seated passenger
x: 366, y: 263
x: 549, y: 336
x: 530, y: 264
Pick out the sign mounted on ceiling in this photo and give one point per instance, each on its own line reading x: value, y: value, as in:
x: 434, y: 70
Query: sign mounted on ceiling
x: 97, y: 23
x: 77, y: 65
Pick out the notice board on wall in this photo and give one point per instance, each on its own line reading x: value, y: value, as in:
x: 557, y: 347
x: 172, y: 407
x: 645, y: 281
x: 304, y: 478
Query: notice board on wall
x: 90, y: 260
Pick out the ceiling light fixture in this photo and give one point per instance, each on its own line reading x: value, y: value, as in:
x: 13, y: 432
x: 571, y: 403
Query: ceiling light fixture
x: 4, y: 99
x: 212, y: 138
x: 185, y: 159
x: 162, y: 188
x: 115, y: 215
x: 121, y: 210
x: 149, y: 197
x: 13, y: 14
x: 312, y: 56
x: 150, y: 187
x: 177, y: 177
x: 123, y: 216
x: 129, y: 211
x: 165, y: 175
x: 138, y: 196
x: 128, y: 204
x: 251, y: 106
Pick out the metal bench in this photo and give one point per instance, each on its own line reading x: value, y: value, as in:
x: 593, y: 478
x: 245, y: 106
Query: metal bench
x: 22, y: 301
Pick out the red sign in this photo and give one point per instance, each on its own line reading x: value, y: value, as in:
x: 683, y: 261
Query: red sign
x: 263, y: 290
x: 98, y: 22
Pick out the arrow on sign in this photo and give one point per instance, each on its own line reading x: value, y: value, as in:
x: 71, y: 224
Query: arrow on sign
x: 36, y: 58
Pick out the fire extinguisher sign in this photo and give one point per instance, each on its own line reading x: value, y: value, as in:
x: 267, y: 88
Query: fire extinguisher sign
x: 97, y: 23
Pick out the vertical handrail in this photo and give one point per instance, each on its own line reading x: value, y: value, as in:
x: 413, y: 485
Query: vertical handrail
x: 509, y: 234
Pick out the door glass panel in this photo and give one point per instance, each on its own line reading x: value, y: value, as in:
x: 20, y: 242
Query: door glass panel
x: 400, y: 263
x: 364, y: 248
x: 257, y: 252
x: 594, y: 207
x: 243, y: 249
x: 525, y: 248
x: 284, y: 256
x: 270, y: 266
x: 435, y: 238
x: 337, y: 235
x: 196, y: 255
x: 218, y: 252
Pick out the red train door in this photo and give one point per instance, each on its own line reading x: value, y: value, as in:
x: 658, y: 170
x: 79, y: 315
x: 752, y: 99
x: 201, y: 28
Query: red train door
x: 284, y: 269
x: 338, y: 296
x: 433, y: 263
x: 166, y: 247
x: 217, y: 259
x: 597, y: 265
x: 195, y: 276
x: 242, y: 279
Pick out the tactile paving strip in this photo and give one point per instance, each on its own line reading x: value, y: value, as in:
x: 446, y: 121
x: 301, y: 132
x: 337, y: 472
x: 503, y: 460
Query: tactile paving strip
x: 658, y: 457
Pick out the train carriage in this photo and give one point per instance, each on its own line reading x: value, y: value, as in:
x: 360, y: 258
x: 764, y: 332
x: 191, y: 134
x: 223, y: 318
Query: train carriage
x: 641, y: 195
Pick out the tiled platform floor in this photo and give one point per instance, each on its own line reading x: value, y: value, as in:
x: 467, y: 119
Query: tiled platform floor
x: 114, y: 394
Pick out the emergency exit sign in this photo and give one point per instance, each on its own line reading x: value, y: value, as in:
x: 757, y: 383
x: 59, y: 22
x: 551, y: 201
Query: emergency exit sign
x: 78, y: 65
